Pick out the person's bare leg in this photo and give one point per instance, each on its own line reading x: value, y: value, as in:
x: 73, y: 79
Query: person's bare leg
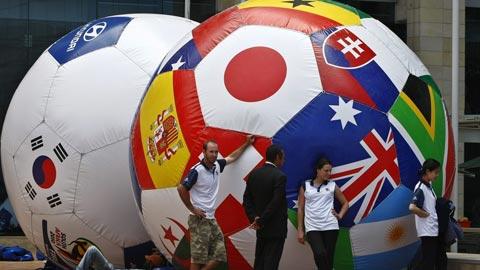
x: 195, y: 266
x: 211, y: 265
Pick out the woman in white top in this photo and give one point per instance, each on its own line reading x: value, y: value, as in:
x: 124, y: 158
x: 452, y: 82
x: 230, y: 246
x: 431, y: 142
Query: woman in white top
x: 426, y: 220
x: 317, y: 218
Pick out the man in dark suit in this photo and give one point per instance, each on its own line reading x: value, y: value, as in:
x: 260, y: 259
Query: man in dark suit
x: 265, y: 204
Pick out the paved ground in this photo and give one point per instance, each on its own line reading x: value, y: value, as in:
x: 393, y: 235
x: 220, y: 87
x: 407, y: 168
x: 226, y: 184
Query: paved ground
x: 33, y: 265
x: 23, y: 242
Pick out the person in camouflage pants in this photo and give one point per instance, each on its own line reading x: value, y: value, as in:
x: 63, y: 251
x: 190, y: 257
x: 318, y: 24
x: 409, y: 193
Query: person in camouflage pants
x: 198, y: 191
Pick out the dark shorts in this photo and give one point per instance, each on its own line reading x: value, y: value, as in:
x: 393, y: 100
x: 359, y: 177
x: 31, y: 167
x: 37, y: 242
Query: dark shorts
x: 206, y: 240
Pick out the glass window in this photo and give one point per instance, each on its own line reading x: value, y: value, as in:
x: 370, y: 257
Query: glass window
x: 13, y: 56
x: 174, y: 7
x: 170, y: 7
x: 48, y: 21
x: 383, y: 11
x: 200, y: 10
x: 472, y: 60
x: 224, y: 4
x: 471, y: 200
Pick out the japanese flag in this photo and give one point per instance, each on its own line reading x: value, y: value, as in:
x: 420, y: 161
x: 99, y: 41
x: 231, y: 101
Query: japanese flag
x: 257, y: 79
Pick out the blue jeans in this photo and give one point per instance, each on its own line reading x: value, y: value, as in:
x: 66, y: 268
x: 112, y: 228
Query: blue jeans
x: 93, y: 258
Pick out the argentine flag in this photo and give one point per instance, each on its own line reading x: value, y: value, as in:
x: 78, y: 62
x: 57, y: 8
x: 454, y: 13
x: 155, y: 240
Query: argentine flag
x: 387, y: 238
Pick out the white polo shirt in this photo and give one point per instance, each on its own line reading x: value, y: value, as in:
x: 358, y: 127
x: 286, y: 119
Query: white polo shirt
x: 203, y: 185
x: 318, y: 207
x: 424, y: 197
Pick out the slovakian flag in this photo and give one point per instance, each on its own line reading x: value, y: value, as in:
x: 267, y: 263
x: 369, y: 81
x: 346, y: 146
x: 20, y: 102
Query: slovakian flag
x: 345, y: 50
x: 369, y: 73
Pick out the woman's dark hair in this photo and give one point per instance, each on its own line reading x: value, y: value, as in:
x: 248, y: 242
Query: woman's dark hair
x: 320, y: 163
x: 429, y: 165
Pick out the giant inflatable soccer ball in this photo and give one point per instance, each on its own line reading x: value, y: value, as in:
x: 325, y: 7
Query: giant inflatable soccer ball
x: 65, y: 140
x: 319, y: 78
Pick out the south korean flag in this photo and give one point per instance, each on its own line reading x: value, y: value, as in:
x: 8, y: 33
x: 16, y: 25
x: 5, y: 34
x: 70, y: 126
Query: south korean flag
x: 257, y: 79
x: 47, y: 169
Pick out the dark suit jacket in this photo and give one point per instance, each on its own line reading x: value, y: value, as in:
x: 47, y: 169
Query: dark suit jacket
x: 265, y: 197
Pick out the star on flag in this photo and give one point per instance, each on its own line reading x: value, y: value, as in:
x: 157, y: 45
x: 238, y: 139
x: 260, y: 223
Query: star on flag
x: 169, y: 235
x: 344, y: 112
x: 296, y: 3
x: 178, y: 64
x: 295, y: 202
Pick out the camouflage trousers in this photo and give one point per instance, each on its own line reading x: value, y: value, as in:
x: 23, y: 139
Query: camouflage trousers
x: 206, y: 240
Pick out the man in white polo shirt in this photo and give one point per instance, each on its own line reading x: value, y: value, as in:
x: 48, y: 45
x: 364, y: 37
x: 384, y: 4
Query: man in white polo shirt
x: 199, y: 194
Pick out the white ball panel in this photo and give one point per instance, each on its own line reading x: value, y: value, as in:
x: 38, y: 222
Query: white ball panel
x: 19, y: 203
x: 94, y: 99
x: 97, y: 183
x: 396, y: 46
x: 156, y: 217
x: 32, y: 91
x: 158, y: 33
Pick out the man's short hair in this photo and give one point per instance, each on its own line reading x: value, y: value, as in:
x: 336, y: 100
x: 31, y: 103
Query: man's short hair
x: 205, y: 144
x: 273, y: 151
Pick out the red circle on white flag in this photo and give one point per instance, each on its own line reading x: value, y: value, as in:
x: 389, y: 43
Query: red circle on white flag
x: 255, y: 74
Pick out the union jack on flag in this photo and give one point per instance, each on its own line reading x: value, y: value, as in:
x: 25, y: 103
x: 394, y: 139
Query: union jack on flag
x: 363, y: 180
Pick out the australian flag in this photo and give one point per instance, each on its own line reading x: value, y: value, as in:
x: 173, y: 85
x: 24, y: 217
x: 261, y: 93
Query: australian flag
x: 356, y: 138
